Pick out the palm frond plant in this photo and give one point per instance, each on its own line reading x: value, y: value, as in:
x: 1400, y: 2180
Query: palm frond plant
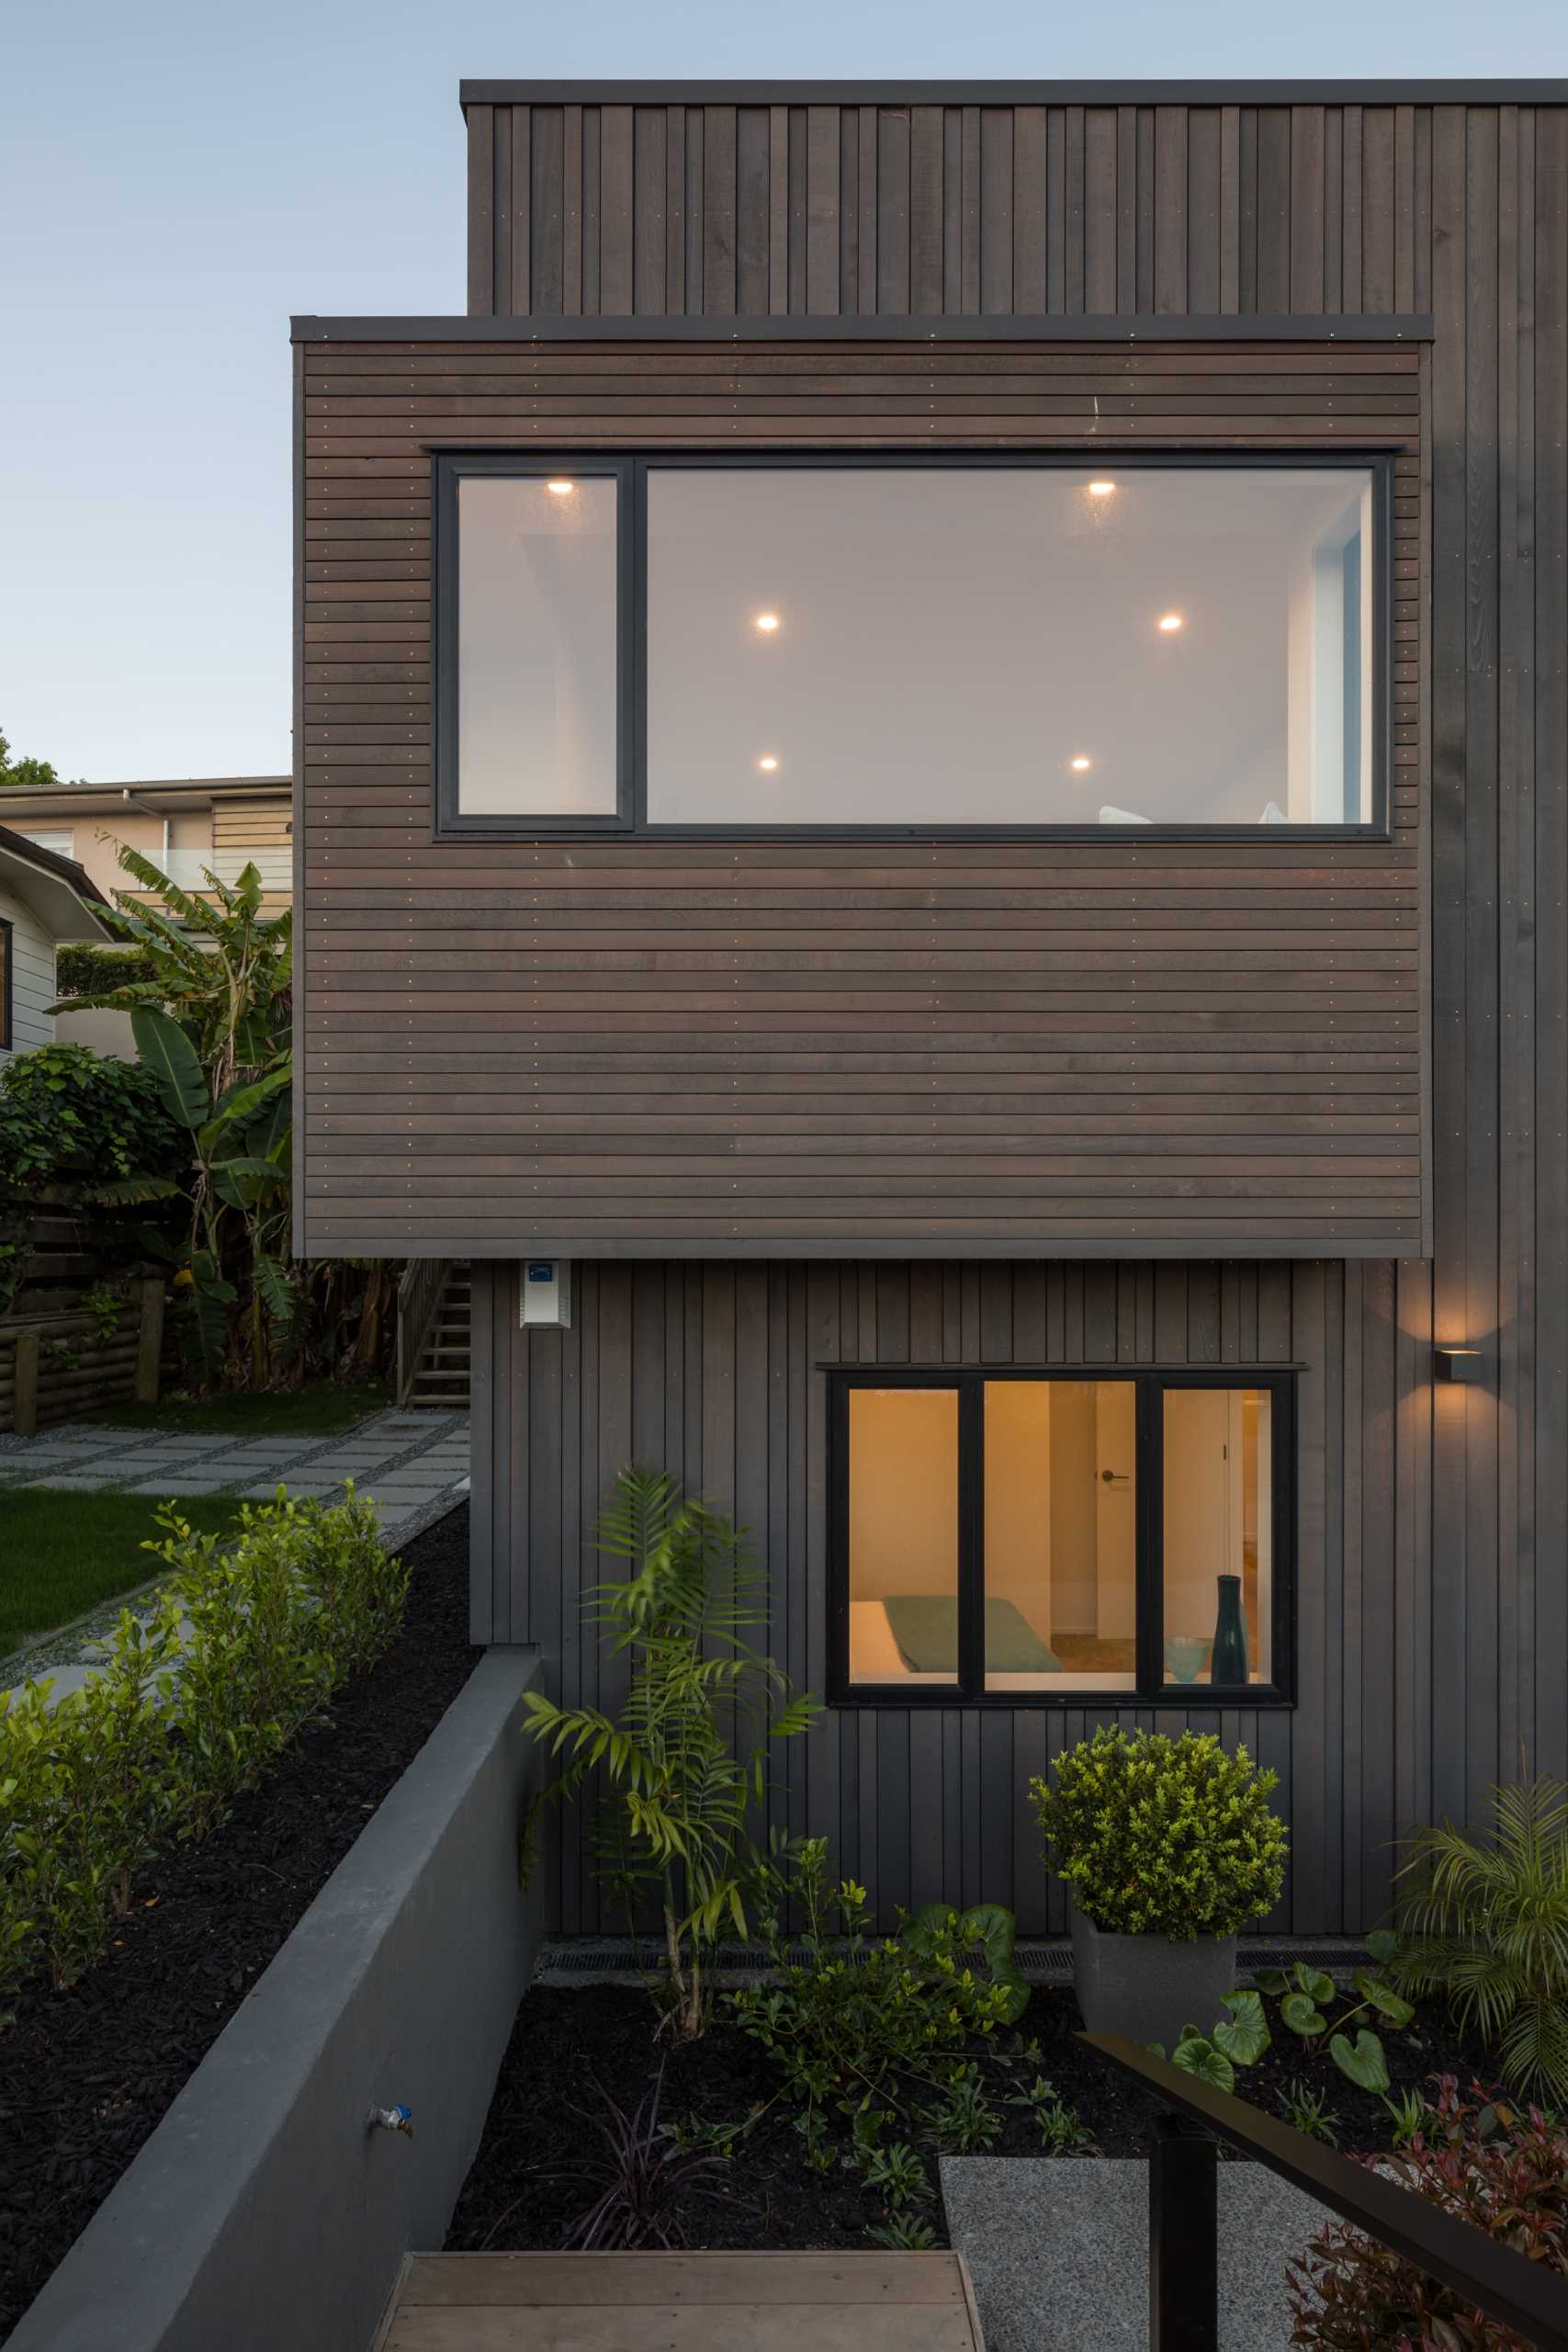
x: 685, y: 1762
x: 1486, y: 1925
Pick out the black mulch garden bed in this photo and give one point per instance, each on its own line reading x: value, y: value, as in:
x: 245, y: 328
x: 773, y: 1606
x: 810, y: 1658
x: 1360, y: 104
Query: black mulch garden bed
x: 520, y: 2194
x: 87, y: 2074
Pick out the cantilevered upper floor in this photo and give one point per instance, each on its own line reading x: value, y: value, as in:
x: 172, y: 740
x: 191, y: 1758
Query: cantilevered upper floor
x: 887, y: 689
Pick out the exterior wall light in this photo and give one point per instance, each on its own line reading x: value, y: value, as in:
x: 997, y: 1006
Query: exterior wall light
x: 1456, y: 1363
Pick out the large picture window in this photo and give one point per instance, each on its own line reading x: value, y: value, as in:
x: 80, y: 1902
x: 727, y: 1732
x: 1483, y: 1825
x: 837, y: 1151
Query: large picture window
x: 1029, y: 1537
x: 906, y: 645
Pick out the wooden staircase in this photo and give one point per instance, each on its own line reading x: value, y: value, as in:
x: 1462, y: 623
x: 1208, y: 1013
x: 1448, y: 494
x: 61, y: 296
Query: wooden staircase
x: 434, y: 1309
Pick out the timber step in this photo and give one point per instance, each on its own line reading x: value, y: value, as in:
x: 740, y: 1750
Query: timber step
x: 681, y: 2302
x: 442, y: 1377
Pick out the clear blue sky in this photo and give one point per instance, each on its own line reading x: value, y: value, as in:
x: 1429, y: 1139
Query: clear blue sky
x: 176, y: 179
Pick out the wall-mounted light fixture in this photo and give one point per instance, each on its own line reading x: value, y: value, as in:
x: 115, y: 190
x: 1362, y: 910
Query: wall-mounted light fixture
x: 1456, y: 1363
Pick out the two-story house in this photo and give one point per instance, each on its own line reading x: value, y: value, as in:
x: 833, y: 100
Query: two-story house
x: 186, y: 825
x: 930, y: 824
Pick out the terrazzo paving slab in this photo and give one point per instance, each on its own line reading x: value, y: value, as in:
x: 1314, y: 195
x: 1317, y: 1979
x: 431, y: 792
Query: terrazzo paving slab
x: 1059, y: 2248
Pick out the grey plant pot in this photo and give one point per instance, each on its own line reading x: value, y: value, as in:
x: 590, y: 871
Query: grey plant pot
x: 1148, y: 1988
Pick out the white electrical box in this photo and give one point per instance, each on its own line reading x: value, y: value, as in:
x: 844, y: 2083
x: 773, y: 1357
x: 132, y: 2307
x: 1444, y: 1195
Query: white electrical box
x: 547, y: 1293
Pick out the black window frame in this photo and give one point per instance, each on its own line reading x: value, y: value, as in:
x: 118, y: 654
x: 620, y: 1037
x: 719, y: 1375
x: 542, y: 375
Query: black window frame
x: 1151, y: 1382
x: 448, y: 467
x: 450, y: 472
x: 7, y: 984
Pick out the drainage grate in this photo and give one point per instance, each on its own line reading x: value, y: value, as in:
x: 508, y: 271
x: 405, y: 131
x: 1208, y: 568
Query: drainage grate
x: 1043, y: 1960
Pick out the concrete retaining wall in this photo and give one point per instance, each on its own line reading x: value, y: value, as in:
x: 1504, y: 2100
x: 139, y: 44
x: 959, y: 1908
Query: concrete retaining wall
x: 263, y: 2211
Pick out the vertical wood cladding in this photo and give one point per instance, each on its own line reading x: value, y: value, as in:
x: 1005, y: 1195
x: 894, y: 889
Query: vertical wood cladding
x: 928, y: 209
x: 624, y: 1047
x: 716, y: 1371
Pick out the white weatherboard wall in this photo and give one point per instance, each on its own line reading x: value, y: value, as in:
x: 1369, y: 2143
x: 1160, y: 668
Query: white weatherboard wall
x: 32, y: 978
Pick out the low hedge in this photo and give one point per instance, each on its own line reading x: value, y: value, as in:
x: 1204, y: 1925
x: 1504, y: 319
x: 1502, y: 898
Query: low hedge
x: 247, y: 1643
x: 81, y: 969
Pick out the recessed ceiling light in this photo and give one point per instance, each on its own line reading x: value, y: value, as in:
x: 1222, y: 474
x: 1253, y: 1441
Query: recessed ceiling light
x: 561, y: 489
x: 767, y: 762
x: 1103, y: 490
x: 1080, y: 763
x: 1170, y: 622
x: 767, y: 622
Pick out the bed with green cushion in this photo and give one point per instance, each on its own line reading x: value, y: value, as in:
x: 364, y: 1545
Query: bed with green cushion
x: 925, y: 1626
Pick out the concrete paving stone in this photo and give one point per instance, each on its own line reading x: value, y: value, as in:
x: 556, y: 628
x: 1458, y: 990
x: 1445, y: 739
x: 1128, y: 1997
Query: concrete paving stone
x: 183, y: 1482
x: 1059, y: 2248
x: 265, y: 1489
x: 271, y: 1453
x: 75, y: 1482
x: 364, y: 1458
x: 215, y: 1442
x: 152, y: 1456
x: 36, y: 1451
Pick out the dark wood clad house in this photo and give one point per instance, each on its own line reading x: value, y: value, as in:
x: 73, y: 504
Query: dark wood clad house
x: 931, y: 784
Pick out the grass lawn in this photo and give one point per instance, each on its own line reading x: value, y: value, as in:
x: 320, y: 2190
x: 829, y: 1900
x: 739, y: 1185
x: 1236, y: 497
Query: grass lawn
x: 322, y: 1408
x: 65, y: 1552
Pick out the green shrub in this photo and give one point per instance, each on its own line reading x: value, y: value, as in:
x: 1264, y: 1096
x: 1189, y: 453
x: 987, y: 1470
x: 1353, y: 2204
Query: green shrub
x: 88, y: 1787
x: 85, y: 1137
x: 190, y: 1708
x: 1488, y: 1925
x: 855, y: 2022
x: 82, y: 970
x: 1503, y: 2173
x: 1158, y: 1837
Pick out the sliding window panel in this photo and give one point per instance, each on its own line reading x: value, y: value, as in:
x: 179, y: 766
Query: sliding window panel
x: 1060, y: 1536
x: 1219, y: 1537
x: 904, y: 1541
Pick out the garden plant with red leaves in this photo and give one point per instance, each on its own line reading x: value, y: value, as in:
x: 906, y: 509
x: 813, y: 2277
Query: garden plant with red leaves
x: 1500, y: 2167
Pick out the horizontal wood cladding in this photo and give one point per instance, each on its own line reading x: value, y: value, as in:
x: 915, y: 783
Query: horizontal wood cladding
x: 924, y: 210
x: 716, y: 1372
x: 637, y: 1046
x: 252, y: 824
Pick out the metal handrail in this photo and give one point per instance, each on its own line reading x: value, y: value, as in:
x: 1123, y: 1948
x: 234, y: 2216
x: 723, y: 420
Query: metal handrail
x: 1496, y: 2279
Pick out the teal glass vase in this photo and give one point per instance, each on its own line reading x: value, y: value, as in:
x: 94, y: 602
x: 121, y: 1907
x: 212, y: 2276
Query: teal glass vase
x: 1227, y: 1663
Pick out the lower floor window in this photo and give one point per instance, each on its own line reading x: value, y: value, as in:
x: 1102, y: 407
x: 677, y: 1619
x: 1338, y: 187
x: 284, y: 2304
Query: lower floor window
x: 1024, y: 1537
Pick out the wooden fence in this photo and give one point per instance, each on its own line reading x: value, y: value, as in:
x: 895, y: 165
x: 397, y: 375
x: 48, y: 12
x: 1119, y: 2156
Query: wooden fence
x: 57, y: 1364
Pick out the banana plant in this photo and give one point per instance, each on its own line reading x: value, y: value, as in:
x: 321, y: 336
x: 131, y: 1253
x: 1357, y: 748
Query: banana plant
x: 212, y: 1025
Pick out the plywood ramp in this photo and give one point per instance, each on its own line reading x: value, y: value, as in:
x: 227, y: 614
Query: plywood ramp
x: 682, y: 2303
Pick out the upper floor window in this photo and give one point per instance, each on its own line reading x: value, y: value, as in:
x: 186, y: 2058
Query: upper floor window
x: 908, y: 646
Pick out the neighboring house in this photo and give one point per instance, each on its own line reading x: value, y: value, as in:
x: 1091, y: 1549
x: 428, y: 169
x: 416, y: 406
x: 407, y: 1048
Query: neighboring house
x: 44, y: 899
x: 185, y: 824
x: 965, y: 921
